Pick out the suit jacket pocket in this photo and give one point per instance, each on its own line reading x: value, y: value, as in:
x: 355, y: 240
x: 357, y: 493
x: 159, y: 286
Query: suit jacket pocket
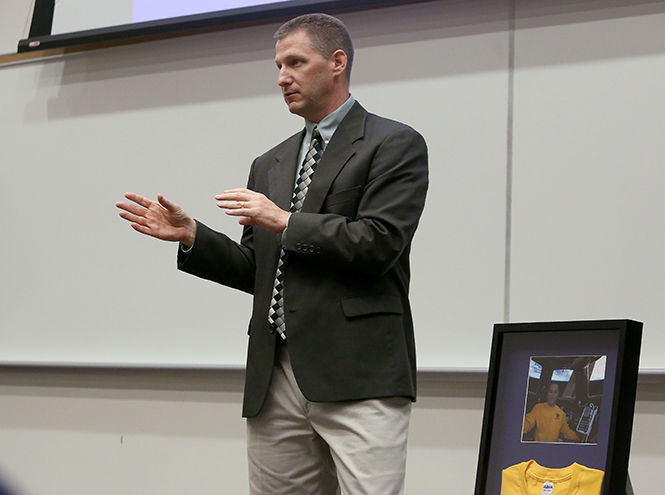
x: 367, y: 305
x: 343, y: 201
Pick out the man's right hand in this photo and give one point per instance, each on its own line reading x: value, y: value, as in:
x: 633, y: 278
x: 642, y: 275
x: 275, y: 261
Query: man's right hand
x: 162, y: 219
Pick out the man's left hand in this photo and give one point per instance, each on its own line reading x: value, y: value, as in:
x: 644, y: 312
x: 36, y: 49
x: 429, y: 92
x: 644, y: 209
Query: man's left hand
x: 253, y: 208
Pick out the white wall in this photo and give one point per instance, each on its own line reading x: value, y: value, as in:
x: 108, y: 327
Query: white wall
x: 587, y: 112
x: 16, y: 17
x: 76, y: 432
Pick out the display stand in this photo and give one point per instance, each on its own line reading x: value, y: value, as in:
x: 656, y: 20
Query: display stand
x: 629, y: 486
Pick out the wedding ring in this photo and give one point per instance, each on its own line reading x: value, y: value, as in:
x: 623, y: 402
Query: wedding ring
x: 242, y: 204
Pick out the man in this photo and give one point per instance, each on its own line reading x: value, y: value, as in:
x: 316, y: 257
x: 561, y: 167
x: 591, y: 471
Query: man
x: 331, y: 369
x: 549, y: 420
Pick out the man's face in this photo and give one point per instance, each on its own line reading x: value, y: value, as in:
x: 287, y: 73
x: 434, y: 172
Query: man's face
x: 305, y: 76
x: 552, y: 394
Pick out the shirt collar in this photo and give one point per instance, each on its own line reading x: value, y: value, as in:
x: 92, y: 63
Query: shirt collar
x: 328, y: 125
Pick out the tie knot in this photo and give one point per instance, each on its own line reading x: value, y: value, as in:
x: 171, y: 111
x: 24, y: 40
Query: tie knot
x: 316, y: 138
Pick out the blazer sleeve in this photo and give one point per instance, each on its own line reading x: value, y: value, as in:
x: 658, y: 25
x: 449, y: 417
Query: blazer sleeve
x: 392, y: 201
x: 216, y: 257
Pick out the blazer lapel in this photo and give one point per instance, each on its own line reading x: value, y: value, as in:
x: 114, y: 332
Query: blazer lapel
x: 282, y: 176
x: 338, y: 152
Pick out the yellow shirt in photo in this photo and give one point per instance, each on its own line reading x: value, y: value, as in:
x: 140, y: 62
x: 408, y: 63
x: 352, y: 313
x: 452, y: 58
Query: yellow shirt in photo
x: 549, y: 421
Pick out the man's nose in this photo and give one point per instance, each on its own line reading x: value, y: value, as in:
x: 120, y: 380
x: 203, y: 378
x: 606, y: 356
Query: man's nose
x: 283, y: 78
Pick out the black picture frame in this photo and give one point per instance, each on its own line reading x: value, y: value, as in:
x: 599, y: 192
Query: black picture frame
x: 514, y: 348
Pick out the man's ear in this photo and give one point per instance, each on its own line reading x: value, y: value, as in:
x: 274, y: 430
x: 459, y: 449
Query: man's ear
x: 338, y: 59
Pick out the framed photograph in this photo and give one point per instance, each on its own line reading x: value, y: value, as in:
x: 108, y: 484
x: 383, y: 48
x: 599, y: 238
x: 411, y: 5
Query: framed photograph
x: 559, y: 408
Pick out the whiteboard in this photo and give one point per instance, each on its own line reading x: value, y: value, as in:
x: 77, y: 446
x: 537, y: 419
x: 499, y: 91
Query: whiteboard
x: 186, y: 117
x: 588, y: 224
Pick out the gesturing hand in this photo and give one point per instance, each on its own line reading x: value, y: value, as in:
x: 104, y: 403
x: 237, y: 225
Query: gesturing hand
x: 162, y: 219
x: 253, y: 208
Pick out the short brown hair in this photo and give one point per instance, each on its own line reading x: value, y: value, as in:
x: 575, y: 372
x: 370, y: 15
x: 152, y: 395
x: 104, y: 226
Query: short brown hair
x: 326, y: 33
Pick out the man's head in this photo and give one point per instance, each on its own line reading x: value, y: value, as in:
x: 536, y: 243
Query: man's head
x: 326, y: 33
x: 552, y: 394
x: 313, y: 54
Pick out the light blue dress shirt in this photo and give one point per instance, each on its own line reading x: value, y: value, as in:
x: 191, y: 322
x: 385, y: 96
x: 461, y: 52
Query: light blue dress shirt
x: 327, y: 128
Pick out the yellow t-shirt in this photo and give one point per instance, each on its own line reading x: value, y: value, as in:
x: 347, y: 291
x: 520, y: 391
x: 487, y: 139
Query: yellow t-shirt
x: 549, y: 421
x: 529, y: 478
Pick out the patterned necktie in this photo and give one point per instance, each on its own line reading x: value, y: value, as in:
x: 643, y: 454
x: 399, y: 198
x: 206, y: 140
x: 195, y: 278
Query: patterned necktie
x: 276, y: 311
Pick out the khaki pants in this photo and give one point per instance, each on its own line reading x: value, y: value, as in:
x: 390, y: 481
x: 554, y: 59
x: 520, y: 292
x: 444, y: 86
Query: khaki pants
x: 298, y: 447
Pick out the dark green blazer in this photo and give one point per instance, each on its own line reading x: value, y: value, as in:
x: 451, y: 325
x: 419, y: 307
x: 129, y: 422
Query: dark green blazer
x: 348, y: 319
